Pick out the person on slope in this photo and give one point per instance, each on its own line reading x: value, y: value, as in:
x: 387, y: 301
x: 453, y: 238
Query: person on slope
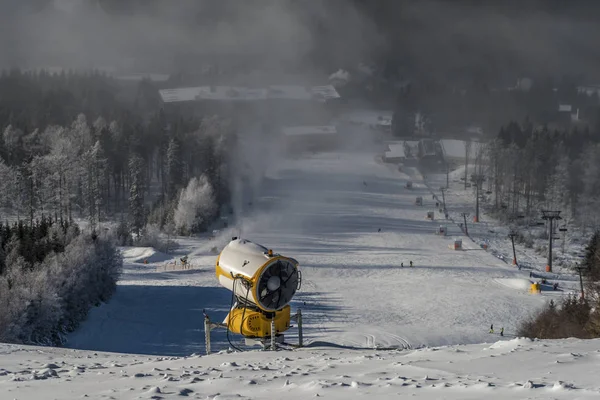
x: 502, y: 331
x: 411, y: 263
x: 492, y: 328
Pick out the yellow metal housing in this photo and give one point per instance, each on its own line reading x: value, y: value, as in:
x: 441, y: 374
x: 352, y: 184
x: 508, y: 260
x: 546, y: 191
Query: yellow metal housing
x: 255, y: 324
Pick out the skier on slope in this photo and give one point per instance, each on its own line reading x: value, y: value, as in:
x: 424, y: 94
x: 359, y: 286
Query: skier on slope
x: 492, y: 328
x: 502, y: 331
x: 411, y: 264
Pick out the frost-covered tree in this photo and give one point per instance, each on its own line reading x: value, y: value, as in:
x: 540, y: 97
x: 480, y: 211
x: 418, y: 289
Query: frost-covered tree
x: 63, y: 167
x: 589, y: 200
x: 196, y: 206
x: 81, y: 133
x: 93, y: 179
x: 557, y: 196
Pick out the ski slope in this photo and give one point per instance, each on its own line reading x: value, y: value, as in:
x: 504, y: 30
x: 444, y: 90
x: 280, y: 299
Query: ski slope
x: 351, y: 223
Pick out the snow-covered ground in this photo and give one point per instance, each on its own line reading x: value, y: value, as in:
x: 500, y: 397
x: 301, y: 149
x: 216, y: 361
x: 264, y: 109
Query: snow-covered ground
x: 352, y: 223
x: 514, y: 369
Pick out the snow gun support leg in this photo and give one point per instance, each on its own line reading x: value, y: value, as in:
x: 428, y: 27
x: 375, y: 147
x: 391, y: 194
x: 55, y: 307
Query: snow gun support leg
x: 275, y: 338
x: 273, y: 335
x: 298, y: 318
x: 209, y: 326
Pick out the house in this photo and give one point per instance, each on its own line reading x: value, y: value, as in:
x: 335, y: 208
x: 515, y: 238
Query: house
x: 395, y: 154
x: 247, y: 94
x: 567, y: 113
x: 274, y: 105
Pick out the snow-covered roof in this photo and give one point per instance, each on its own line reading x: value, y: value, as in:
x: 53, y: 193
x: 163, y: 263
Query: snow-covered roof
x: 212, y: 93
x: 290, y: 92
x: 369, y: 117
x: 456, y: 148
x: 309, y: 130
x: 324, y: 93
x: 138, y: 76
x: 564, y: 108
x: 240, y: 93
x: 395, y: 151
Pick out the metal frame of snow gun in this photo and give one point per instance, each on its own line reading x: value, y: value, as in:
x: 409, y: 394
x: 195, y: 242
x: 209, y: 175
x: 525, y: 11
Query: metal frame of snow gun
x: 271, y: 345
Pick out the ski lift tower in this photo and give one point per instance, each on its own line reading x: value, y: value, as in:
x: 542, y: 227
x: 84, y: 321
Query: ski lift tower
x: 548, y: 215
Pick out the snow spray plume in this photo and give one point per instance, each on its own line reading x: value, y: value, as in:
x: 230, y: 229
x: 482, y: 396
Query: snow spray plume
x: 287, y: 41
x: 156, y: 35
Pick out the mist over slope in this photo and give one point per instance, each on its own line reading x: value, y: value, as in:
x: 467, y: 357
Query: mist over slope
x: 435, y: 39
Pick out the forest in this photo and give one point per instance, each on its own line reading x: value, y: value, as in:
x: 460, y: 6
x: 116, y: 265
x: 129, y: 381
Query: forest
x: 531, y: 169
x: 83, y: 171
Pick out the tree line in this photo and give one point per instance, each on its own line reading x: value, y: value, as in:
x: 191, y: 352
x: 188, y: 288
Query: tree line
x: 50, y: 276
x: 71, y: 148
x: 85, y: 167
x: 538, y: 168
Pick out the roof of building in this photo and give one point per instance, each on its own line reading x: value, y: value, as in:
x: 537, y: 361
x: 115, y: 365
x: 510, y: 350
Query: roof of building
x: 456, y: 148
x: 565, y: 108
x: 138, y: 76
x: 395, y: 151
x: 368, y: 117
x: 240, y: 93
x: 309, y: 130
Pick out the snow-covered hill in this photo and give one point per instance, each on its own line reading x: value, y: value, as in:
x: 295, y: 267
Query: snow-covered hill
x: 351, y: 223
x: 354, y: 227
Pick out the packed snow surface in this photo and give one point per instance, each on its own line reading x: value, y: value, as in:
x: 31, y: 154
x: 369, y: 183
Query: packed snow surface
x: 514, y: 369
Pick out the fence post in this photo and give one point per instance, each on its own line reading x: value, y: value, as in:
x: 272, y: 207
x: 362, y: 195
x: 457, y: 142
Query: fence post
x: 300, y: 328
x: 207, y: 334
x: 273, y: 344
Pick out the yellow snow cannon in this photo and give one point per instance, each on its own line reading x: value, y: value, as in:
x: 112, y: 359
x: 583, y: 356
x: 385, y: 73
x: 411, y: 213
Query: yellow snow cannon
x: 263, y: 284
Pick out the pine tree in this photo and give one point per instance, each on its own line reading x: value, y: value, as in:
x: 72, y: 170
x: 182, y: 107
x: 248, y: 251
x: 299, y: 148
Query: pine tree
x: 174, y: 168
x: 93, y: 182
x: 136, y: 193
x: 557, y: 196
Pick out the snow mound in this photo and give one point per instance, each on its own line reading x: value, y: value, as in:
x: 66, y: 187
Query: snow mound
x: 515, y: 283
x: 560, y: 385
x: 143, y: 254
x: 510, y: 344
